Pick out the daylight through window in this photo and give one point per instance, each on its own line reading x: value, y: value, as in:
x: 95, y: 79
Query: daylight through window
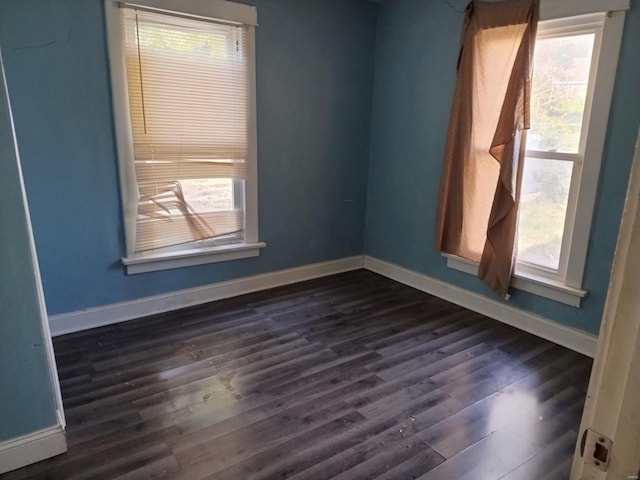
x: 561, y: 92
x: 574, y: 65
x: 187, y: 85
x: 183, y: 85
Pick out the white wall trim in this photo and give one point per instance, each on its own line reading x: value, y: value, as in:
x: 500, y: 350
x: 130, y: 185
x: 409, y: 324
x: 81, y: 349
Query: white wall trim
x: 550, y: 9
x: 152, y: 262
x: 572, y: 338
x: 32, y: 448
x: 540, y: 286
x: 218, y: 9
x: 120, y: 312
x: 42, y: 309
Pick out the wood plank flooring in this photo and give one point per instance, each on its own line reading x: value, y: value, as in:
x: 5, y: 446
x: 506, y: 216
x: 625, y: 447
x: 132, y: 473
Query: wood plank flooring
x: 352, y: 376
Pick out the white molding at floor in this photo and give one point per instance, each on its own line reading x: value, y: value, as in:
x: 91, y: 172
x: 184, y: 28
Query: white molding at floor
x: 32, y: 448
x: 572, y: 338
x: 120, y: 312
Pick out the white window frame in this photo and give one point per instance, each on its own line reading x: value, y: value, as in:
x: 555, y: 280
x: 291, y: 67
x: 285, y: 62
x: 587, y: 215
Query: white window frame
x: 565, y: 284
x: 204, y: 251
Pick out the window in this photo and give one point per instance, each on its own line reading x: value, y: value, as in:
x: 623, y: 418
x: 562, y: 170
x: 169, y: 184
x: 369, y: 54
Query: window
x: 184, y: 107
x: 574, y: 66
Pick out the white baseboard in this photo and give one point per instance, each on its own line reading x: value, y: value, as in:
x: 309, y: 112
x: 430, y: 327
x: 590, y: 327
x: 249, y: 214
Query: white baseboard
x: 32, y: 448
x: 572, y: 338
x: 120, y: 312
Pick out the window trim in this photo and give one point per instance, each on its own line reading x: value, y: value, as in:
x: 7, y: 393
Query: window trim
x: 558, y: 28
x: 143, y: 263
x: 208, y: 9
x: 192, y: 253
x: 527, y: 282
x: 569, y: 289
x: 553, y: 9
x: 599, y: 108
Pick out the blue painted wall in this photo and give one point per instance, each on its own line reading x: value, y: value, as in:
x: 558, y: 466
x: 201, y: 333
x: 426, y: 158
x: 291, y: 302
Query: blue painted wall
x: 27, y: 402
x: 416, y: 52
x: 314, y: 89
x: 322, y: 122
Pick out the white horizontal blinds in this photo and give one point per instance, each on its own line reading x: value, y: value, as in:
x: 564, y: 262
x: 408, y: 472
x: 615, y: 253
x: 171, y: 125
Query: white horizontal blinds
x: 187, y: 84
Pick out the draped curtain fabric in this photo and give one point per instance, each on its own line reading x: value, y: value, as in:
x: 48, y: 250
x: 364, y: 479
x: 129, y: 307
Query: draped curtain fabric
x: 482, y: 168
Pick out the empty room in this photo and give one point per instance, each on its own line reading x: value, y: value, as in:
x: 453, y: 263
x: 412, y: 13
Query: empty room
x: 320, y: 239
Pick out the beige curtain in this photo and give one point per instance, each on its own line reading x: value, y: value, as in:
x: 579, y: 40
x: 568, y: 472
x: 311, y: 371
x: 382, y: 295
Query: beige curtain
x: 482, y: 168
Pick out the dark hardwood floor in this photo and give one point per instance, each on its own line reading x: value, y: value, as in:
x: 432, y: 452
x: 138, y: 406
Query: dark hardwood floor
x: 352, y: 376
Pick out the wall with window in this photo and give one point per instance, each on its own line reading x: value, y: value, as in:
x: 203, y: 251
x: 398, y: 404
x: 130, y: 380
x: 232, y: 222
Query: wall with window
x: 317, y: 123
x: 314, y: 89
x: 416, y: 53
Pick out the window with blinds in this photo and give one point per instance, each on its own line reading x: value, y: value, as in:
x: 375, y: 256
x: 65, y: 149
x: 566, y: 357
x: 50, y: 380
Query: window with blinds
x: 187, y: 81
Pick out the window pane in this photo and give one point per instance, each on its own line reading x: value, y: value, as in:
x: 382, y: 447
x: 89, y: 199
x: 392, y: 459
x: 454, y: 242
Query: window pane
x: 208, y: 194
x: 560, y: 78
x: 188, y: 102
x: 543, y: 208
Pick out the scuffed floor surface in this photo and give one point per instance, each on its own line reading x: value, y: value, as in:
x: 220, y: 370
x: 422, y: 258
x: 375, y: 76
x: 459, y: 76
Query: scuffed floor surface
x: 352, y: 376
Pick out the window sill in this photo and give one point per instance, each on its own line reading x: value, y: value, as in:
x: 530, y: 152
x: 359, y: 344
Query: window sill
x: 152, y: 262
x: 541, y: 286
